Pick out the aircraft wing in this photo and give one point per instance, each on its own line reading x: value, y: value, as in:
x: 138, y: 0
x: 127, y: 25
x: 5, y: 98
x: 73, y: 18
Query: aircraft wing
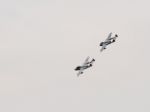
x: 103, y: 47
x: 80, y: 72
x: 109, y: 36
x: 86, y: 61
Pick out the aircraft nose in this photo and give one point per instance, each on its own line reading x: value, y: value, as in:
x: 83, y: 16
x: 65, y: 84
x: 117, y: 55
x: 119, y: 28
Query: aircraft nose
x: 77, y: 68
x: 101, y: 44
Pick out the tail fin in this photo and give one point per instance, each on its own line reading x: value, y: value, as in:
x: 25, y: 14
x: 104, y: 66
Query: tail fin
x: 92, y: 61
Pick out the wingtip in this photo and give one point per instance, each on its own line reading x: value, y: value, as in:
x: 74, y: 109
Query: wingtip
x: 116, y: 35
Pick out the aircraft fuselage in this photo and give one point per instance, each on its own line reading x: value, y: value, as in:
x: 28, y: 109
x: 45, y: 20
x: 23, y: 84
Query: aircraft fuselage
x: 107, y: 42
x: 82, y: 67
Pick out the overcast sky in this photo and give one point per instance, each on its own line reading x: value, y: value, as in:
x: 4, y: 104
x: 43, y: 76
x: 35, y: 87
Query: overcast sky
x: 42, y: 41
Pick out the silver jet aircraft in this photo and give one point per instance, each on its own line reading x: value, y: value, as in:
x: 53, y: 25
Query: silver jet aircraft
x: 108, y: 41
x: 84, y: 66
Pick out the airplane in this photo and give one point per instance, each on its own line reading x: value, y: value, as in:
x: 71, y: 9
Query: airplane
x: 108, y: 41
x: 84, y: 66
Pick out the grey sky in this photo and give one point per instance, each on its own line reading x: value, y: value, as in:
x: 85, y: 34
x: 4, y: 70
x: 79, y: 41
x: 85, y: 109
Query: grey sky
x: 42, y: 41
